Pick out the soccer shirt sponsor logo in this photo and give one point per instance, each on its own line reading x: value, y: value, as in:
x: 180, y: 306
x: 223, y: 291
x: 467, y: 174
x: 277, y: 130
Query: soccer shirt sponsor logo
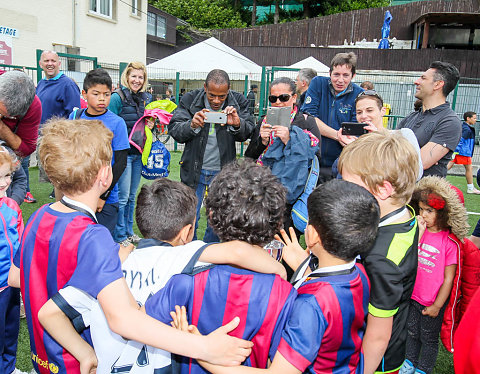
x: 45, y: 364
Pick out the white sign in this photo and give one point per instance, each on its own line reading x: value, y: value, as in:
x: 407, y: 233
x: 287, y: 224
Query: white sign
x: 9, y: 31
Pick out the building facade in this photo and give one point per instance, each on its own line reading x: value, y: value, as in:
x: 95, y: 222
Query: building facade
x: 111, y: 30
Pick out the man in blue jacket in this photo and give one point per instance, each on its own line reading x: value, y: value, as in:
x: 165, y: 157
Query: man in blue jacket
x: 332, y: 101
x: 464, y: 150
x: 59, y: 95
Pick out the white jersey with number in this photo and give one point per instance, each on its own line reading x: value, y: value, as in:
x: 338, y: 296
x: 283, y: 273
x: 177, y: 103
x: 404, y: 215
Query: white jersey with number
x: 147, y: 269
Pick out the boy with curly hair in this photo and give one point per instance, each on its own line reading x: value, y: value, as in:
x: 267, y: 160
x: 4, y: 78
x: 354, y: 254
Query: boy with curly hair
x: 245, y: 202
x: 325, y: 329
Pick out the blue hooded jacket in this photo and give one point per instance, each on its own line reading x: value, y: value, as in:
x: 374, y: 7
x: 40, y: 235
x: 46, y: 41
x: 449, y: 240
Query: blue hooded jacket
x: 332, y: 109
x: 290, y: 163
x: 467, y: 141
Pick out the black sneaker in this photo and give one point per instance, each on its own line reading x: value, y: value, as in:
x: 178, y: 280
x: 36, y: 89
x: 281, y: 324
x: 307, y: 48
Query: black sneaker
x: 52, y: 195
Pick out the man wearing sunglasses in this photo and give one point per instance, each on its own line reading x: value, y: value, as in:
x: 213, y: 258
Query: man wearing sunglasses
x: 332, y: 101
x: 436, y: 126
x: 209, y: 146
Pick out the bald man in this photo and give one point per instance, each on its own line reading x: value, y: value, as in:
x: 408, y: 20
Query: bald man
x: 58, y: 93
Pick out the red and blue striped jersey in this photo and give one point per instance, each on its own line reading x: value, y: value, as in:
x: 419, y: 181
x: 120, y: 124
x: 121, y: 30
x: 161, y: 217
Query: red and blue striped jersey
x: 11, y: 227
x: 214, y: 297
x: 59, y: 249
x: 325, y: 330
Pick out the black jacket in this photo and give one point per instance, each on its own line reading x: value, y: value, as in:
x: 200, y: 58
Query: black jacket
x: 179, y: 128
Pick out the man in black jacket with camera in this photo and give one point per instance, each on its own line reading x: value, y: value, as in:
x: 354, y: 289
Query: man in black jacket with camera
x: 209, y: 146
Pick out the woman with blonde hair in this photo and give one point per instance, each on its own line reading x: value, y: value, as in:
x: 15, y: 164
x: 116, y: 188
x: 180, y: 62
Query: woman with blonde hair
x: 129, y: 102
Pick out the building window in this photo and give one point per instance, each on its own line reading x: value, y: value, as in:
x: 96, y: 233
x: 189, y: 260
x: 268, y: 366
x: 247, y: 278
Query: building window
x: 102, y: 7
x: 156, y: 25
x: 135, y: 7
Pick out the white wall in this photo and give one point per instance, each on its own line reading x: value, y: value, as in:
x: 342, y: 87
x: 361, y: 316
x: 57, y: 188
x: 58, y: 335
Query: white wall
x: 43, y: 23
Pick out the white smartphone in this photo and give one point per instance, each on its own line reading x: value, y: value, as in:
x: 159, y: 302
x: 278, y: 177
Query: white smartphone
x: 215, y: 117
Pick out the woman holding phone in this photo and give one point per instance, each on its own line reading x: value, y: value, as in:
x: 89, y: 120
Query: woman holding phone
x: 370, y: 111
x: 283, y: 94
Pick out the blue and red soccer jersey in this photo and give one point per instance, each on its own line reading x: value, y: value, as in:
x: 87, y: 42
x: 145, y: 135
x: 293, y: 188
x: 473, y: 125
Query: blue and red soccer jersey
x: 217, y: 295
x: 325, y: 330
x: 11, y: 223
x: 59, y: 249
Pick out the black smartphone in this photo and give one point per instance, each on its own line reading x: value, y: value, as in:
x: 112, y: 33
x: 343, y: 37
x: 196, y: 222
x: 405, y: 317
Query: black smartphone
x: 353, y: 128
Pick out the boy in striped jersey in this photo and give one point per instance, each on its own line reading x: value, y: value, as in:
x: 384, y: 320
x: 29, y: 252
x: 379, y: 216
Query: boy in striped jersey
x: 325, y: 329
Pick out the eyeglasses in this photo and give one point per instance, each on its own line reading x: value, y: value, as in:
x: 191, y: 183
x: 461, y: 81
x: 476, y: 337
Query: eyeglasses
x: 283, y: 98
x: 369, y: 93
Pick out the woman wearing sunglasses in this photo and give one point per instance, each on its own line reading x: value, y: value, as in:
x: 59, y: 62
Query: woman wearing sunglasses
x: 282, y: 94
x: 370, y: 111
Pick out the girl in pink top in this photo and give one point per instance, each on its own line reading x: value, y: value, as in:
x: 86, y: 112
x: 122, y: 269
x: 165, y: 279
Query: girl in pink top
x: 440, y: 213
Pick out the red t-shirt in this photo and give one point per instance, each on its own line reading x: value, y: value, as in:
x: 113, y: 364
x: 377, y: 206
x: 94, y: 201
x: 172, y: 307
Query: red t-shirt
x: 27, y: 127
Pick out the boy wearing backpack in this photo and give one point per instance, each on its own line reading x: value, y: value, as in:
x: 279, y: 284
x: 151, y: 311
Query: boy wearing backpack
x: 97, y: 92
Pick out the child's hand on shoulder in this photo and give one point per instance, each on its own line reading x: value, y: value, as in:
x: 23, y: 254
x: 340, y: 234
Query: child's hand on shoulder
x: 431, y: 311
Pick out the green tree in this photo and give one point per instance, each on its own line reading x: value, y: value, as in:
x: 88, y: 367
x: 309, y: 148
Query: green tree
x: 201, y: 14
x: 327, y: 7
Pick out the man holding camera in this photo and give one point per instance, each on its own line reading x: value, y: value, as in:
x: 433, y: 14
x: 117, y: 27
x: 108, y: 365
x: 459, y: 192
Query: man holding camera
x: 209, y: 142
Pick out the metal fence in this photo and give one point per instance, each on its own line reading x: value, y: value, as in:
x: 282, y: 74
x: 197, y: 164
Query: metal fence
x: 396, y: 88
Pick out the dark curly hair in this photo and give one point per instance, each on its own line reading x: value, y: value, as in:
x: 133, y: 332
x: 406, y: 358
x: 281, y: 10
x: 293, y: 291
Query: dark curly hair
x: 422, y: 195
x: 164, y: 208
x: 345, y: 216
x: 246, y: 202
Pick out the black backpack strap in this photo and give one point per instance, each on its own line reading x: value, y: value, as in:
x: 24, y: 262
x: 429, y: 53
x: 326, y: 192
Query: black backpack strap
x: 78, y: 113
x: 190, y: 267
x: 120, y: 93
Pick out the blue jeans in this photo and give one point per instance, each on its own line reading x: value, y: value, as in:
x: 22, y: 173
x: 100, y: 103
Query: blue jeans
x: 108, y: 217
x: 127, y: 190
x: 25, y: 164
x: 206, y: 177
x: 9, y: 326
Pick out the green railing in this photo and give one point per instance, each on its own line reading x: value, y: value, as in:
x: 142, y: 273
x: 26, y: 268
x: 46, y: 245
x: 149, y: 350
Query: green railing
x: 69, y: 57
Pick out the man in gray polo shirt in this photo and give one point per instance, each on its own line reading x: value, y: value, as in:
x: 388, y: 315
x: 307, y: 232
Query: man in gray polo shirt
x: 209, y: 146
x: 436, y: 126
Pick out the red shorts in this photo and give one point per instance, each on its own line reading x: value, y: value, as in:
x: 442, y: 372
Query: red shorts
x: 462, y: 160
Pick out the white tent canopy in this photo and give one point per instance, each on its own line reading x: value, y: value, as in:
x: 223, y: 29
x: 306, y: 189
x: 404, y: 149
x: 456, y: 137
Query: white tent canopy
x: 202, y: 58
x: 313, y: 63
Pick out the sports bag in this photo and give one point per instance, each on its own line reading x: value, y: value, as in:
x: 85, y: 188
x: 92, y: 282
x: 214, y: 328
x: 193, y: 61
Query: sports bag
x: 138, y: 135
x: 156, y: 162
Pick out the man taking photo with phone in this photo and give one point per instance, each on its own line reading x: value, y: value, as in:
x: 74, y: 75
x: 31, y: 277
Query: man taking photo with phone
x: 209, y: 146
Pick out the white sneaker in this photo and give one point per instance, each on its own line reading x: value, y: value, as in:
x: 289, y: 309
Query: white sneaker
x: 18, y: 371
x: 134, y: 239
x: 125, y: 243
x: 474, y: 191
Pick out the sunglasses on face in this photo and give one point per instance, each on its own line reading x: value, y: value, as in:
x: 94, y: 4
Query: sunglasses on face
x: 283, y: 98
x: 370, y: 93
